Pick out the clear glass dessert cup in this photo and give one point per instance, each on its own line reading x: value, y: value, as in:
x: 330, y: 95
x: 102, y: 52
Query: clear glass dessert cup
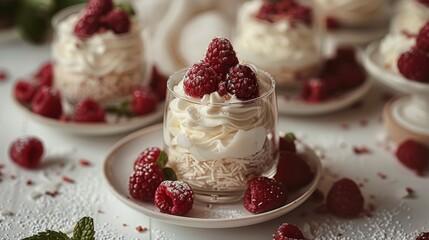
x: 104, y: 66
x: 216, y: 144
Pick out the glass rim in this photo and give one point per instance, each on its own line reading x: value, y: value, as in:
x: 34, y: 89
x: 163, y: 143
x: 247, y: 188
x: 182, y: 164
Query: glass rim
x: 269, y: 92
x: 64, y: 13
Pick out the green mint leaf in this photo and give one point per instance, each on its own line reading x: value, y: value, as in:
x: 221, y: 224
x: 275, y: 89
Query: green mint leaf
x: 48, y: 235
x: 123, y: 109
x: 84, y: 229
x: 290, y: 137
x: 127, y: 7
x: 162, y: 159
x: 169, y: 174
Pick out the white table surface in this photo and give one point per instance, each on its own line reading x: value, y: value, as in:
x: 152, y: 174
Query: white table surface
x: 332, y: 135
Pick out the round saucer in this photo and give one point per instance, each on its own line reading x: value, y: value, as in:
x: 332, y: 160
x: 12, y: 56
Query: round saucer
x: 94, y: 129
x: 398, y: 129
x: 291, y: 103
x: 118, y: 167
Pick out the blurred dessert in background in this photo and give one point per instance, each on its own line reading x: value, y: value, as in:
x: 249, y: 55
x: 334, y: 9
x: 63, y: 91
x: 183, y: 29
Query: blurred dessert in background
x: 409, y: 16
x: 352, y: 13
x: 97, y: 52
x: 280, y: 37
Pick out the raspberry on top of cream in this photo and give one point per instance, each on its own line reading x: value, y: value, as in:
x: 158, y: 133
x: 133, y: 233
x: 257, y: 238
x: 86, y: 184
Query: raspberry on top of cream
x: 283, y: 34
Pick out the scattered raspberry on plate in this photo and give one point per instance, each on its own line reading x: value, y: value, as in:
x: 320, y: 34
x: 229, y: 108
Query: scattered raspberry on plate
x: 144, y: 181
x: 144, y: 100
x: 293, y: 171
x: 174, y: 197
x: 149, y: 155
x: 264, y: 194
x: 47, y: 102
x: 26, y: 151
x: 89, y: 110
x: 345, y: 199
x: 288, y: 232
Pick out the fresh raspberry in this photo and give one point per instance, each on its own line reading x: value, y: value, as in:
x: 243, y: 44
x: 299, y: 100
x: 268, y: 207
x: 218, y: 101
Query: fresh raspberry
x: 3, y: 75
x: 221, y: 89
x: 314, y: 90
x: 423, y: 235
x: 221, y: 55
x: 333, y: 83
x: 414, y: 65
x: 117, y: 20
x: 144, y: 181
x: 159, y: 83
x: 287, y: 143
x: 149, y: 155
x: 345, y: 199
x: 332, y: 23
x: 25, y: 91
x: 293, y: 171
x: 174, y: 197
x: 201, y: 79
x: 26, y: 151
x: 89, y: 110
x: 351, y: 74
x: 345, y: 53
x: 413, y: 155
x: 264, y: 194
x: 144, y: 100
x: 87, y: 25
x: 100, y: 7
x: 242, y: 82
x: 45, y: 76
x: 288, y: 232
x: 266, y: 12
x: 47, y: 102
x: 422, y: 40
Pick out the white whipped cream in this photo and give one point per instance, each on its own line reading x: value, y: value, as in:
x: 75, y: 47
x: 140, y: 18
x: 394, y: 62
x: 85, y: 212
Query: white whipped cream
x: 353, y: 12
x: 101, y: 54
x: 409, y: 16
x: 261, y: 41
x: 217, y: 127
x: 391, y: 48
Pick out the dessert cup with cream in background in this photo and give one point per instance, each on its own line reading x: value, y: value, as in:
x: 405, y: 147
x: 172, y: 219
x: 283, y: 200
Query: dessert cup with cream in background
x: 104, y: 66
x: 281, y: 38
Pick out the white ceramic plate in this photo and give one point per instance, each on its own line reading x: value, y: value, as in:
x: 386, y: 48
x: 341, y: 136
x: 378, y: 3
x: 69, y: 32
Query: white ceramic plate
x: 119, y: 164
x: 373, y: 63
x: 95, y: 129
x: 291, y: 103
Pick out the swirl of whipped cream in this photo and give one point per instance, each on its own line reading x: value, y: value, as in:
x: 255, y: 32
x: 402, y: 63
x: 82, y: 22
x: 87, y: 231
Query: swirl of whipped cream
x: 100, y: 54
x: 391, y: 48
x: 353, y: 11
x: 217, y: 127
x: 409, y: 16
x: 278, y: 41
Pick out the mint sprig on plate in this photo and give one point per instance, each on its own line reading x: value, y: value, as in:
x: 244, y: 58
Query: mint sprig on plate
x: 83, y: 230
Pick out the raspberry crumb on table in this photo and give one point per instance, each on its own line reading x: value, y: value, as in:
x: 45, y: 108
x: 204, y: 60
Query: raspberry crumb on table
x: 141, y: 229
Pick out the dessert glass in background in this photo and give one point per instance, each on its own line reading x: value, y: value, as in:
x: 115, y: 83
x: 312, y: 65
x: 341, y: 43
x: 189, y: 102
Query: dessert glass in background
x: 355, y: 22
x: 283, y: 40
x: 104, y: 67
x: 217, y: 143
x: 408, y: 18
